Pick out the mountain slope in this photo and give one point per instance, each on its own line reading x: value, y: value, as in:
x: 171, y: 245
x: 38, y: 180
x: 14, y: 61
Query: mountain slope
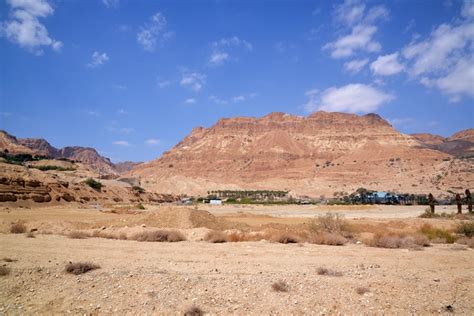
x: 460, y: 144
x: 315, y: 155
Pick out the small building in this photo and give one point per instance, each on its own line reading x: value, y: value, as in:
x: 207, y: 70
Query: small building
x: 215, y: 202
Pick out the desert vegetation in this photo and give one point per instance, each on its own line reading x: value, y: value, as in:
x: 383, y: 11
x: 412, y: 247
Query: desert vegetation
x: 80, y: 267
x: 96, y: 185
x: 159, y: 235
x: 193, y: 311
x: 328, y: 272
x: 4, y: 270
x: 17, y: 228
x: 280, y: 286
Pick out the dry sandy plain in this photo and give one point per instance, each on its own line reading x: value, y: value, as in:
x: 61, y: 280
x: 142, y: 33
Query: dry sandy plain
x: 227, y: 278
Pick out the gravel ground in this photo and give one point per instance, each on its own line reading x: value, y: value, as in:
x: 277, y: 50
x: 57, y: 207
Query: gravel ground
x: 231, y: 278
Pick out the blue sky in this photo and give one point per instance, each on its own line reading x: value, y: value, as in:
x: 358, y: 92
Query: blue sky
x: 132, y: 78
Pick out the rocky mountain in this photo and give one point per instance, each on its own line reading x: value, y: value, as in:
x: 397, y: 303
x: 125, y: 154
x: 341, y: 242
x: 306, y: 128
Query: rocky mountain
x: 39, y: 146
x: 125, y: 166
x: 316, y: 155
x: 460, y: 144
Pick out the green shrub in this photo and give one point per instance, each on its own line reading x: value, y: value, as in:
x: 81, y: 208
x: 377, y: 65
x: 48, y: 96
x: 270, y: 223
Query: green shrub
x: 96, y: 185
x: 437, y: 233
x: 140, y: 206
x: 57, y: 168
x: 138, y: 189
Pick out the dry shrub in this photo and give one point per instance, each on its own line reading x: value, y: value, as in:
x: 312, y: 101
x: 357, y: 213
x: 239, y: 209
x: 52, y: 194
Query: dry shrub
x: 193, y: 311
x: 109, y: 235
x: 285, y: 238
x: 159, y: 236
x: 78, y: 235
x: 394, y: 241
x: 466, y: 241
x: 215, y: 237
x: 238, y: 236
x: 328, y: 272
x: 331, y: 239
x: 466, y: 228
x: 30, y: 235
x: 331, y: 223
x: 4, y: 271
x: 437, y: 233
x: 80, y: 267
x: 18, y: 228
x: 280, y: 286
x: 361, y: 290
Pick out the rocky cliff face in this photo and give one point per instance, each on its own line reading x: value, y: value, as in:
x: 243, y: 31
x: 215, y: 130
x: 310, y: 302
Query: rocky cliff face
x: 319, y: 154
x: 460, y: 144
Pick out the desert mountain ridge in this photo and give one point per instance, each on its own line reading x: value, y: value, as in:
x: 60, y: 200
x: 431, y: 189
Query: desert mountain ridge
x: 321, y: 154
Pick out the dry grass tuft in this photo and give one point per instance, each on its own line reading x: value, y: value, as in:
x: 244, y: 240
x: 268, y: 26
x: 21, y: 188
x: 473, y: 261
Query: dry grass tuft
x: 280, y: 286
x: 332, y: 223
x: 159, y: 236
x: 361, y: 290
x: 4, y: 271
x: 215, y: 237
x: 394, y: 241
x: 237, y: 236
x: 328, y: 272
x: 80, y: 267
x: 285, y: 238
x: 437, y: 233
x: 75, y: 234
x: 18, y: 228
x: 193, y: 311
x: 466, y: 228
x: 30, y: 235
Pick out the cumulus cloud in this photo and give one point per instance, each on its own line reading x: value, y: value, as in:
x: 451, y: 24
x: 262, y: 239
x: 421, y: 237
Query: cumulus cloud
x: 152, y: 32
x: 386, y: 65
x: 122, y: 143
x: 352, y: 98
x: 223, y: 48
x: 444, y: 60
x: 98, y: 59
x: 193, y: 80
x: 356, y: 65
x: 355, y: 16
x: 24, y: 28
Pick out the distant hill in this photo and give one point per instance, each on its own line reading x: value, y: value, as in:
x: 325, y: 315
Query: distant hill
x: 460, y: 144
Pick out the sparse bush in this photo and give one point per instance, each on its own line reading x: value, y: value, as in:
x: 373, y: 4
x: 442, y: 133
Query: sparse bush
x: 330, y: 223
x: 194, y: 311
x: 159, y: 236
x: 328, y: 239
x: 80, y: 267
x: 18, y: 228
x: 140, y: 206
x: 466, y: 228
x: 138, y: 189
x: 236, y: 236
x: 75, y: 234
x: 437, y: 233
x: 4, y: 271
x: 393, y: 241
x: 30, y: 235
x: 280, y: 286
x: 361, y: 290
x: 215, y: 237
x: 328, y: 272
x: 57, y: 168
x: 96, y: 185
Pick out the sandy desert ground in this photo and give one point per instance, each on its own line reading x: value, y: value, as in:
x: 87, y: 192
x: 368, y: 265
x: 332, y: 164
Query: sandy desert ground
x: 229, y: 278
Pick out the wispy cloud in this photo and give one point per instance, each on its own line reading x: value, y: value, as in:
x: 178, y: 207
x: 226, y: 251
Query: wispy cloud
x: 356, y: 65
x: 153, y: 32
x: 223, y: 48
x: 218, y: 58
x: 111, y: 3
x: 93, y: 113
x: 190, y: 101
x: 352, y: 98
x: 234, y: 99
x: 153, y: 142
x: 387, y: 65
x: 98, y: 59
x: 24, y: 27
x: 193, y: 80
x: 122, y: 143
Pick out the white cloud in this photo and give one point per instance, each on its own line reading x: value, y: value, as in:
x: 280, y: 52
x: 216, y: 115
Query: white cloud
x: 467, y: 9
x: 239, y: 98
x: 356, y: 65
x: 353, y: 14
x: 217, y: 58
x: 152, y: 142
x: 234, y: 99
x: 98, y: 59
x: 24, y: 28
x: 353, y: 98
x: 152, y: 32
x: 217, y: 100
x: 193, y: 80
x: 386, y: 65
x: 359, y: 39
x: 190, y: 101
x: 223, y: 47
x: 444, y: 60
x: 111, y: 3
x: 123, y: 143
